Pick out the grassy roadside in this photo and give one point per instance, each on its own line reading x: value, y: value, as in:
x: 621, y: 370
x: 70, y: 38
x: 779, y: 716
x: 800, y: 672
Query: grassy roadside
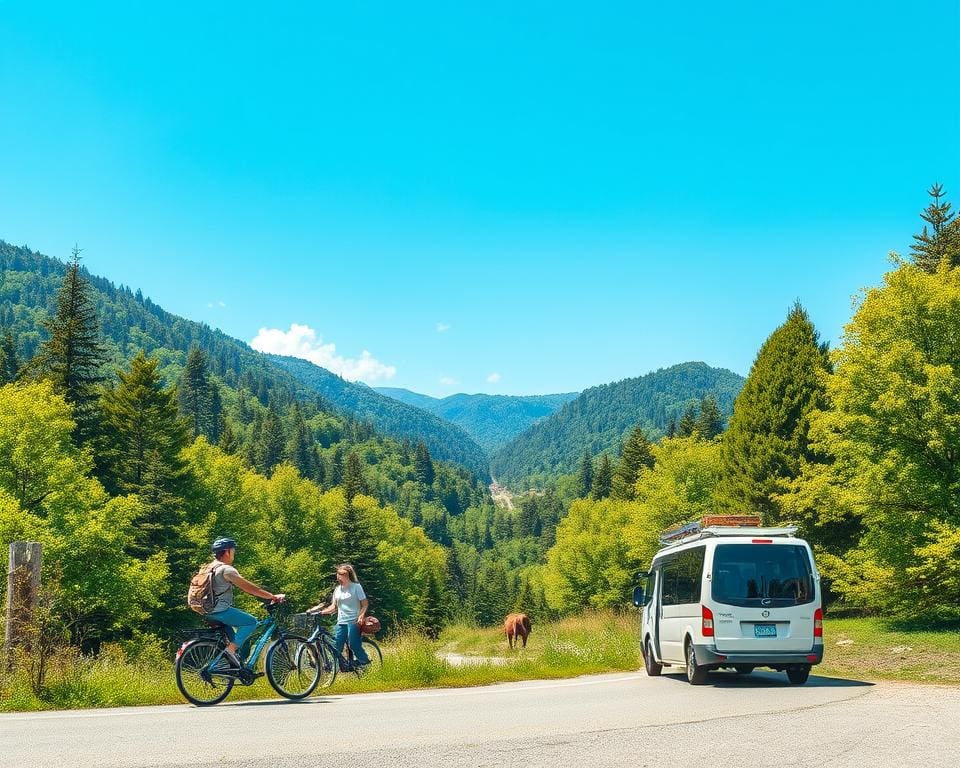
x: 576, y: 646
x: 862, y: 649
x: 873, y: 649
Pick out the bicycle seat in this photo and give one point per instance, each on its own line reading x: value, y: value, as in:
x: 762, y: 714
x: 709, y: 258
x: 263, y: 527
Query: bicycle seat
x: 214, y: 624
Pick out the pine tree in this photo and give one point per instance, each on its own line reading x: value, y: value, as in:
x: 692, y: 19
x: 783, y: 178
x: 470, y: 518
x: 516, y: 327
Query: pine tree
x: 585, y: 476
x: 456, y: 579
x: 603, y: 481
x: 432, y: 613
x: 943, y: 242
x: 73, y: 356
x: 636, y: 455
x: 710, y: 421
x: 671, y: 430
x: 524, y: 602
x: 9, y: 360
x: 766, y: 440
x: 688, y: 422
x: 354, y: 482
x: 194, y: 394
x: 298, y: 449
x: 423, y: 465
x: 270, y: 442
x: 217, y: 418
x: 140, y: 426
x: 228, y: 440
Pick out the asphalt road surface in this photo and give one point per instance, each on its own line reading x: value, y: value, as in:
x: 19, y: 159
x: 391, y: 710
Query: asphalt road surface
x: 607, y: 720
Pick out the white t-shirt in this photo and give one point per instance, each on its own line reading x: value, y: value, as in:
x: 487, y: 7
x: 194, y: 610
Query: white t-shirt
x: 348, y: 602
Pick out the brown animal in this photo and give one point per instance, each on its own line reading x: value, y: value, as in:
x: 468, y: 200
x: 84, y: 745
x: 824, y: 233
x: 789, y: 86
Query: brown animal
x: 517, y: 627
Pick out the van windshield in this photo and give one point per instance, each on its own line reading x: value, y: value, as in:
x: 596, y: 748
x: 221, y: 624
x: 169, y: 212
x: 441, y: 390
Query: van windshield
x: 769, y: 575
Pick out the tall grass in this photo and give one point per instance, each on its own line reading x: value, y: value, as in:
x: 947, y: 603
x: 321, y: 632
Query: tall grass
x: 141, y: 673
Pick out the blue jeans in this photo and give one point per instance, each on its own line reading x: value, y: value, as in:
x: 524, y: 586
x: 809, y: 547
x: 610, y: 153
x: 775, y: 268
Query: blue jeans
x: 351, y: 631
x: 235, y: 618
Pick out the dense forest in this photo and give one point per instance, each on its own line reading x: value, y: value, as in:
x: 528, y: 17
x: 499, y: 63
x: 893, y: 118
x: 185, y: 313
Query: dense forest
x: 600, y: 418
x: 130, y: 437
x: 492, y: 420
x: 130, y: 321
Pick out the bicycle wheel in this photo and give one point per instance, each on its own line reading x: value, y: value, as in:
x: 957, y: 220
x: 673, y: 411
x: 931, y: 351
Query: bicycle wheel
x: 201, y: 680
x: 293, y: 668
x: 373, y: 653
x: 328, y: 664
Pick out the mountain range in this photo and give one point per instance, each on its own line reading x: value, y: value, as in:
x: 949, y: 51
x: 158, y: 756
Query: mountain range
x: 492, y: 420
x: 601, y: 417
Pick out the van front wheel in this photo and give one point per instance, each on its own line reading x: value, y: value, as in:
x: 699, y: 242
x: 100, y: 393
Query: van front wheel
x: 798, y: 674
x: 649, y: 662
x: 696, y: 675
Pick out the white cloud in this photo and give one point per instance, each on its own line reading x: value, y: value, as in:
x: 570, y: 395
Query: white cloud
x: 494, y: 378
x: 443, y: 327
x: 212, y: 304
x: 448, y: 381
x: 304, y: 342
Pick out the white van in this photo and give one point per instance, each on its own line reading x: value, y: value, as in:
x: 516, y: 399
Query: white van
x: 733, y: 597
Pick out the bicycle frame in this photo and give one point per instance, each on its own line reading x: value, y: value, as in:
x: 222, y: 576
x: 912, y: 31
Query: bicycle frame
x: 267, y: 627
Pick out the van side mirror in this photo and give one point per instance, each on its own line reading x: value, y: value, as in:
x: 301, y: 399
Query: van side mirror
x: 640, y: 598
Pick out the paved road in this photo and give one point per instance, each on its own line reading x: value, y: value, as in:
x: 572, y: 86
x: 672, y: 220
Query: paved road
x: 615, y: 720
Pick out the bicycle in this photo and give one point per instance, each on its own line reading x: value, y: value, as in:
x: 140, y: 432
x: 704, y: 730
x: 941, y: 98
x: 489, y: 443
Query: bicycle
x: 205, y: 675
x: 322, y: 640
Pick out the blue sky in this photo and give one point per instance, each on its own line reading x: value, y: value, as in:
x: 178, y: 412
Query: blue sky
x: 482, y: 197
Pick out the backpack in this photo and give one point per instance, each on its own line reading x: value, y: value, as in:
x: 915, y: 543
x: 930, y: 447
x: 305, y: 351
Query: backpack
x: 201, y: 596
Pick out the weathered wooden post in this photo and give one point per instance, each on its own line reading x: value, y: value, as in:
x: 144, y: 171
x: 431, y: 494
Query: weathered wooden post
x: 23, y: 591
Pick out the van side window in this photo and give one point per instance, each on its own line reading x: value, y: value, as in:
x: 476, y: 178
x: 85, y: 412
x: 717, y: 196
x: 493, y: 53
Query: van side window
x: 682, y: 575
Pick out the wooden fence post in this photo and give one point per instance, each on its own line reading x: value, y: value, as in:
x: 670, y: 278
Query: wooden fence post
x: 23, y: 591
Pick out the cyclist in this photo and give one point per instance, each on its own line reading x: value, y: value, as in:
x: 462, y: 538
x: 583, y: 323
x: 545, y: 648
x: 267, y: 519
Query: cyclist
x: 350, y: 602
x: 240, y: 625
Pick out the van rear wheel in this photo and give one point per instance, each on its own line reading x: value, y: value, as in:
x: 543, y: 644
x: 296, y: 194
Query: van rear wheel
x: 649, y: 661
x: 798, y: 674
x: 696, y: 675
x: 743, y: 669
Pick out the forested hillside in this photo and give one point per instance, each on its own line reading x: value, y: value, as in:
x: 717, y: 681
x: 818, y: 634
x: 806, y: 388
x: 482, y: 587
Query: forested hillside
x: 600, y: 418
x: 389, y: 416
x: 492, y: 420
x: 130, y: 321
x: 129, y: 435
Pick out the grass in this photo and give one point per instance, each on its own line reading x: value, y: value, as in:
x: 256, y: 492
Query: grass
x: 874, y: 649
x: 141, y: 673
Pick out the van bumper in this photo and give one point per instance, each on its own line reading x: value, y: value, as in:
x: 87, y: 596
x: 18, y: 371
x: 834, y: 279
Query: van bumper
x: 707, y: 655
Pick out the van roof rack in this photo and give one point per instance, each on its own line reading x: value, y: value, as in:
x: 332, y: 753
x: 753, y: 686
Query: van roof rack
x: 723, y: 525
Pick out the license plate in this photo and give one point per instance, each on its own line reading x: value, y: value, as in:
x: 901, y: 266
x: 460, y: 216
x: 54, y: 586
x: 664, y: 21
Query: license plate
x: 764, y: 630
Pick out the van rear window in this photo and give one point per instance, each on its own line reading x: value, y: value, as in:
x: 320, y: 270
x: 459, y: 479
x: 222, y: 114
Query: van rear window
x: 762, y: 575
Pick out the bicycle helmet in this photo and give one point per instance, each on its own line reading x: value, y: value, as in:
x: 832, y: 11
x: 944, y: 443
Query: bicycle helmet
x: 222, y: 545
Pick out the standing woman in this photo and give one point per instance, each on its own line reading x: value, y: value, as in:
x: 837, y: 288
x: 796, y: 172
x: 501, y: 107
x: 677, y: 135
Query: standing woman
x: 350, y: 603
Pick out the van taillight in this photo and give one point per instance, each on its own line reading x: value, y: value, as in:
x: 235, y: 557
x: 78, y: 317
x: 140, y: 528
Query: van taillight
x: 761, y: 541
x: 707, y: 621
x: 818, y: 623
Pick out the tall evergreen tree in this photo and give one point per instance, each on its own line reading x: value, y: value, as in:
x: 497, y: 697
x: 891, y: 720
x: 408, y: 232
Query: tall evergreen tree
x: 766, y: 440
x: 300, y: 443
x: 688, y: 422
x: 423, y: 465
x: 73, y: 356
x: 432, y: 612
x: 710, y: 420
x: 228, y: 440
x: 603, y: 480
x: 141, y: 426
x: 636, y: 456
x: 354, y: 482
x: 9, y: 360
x: 270, y: 442
x: 585, y: 476
x: 942, y: 241
x: 194, y: 393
